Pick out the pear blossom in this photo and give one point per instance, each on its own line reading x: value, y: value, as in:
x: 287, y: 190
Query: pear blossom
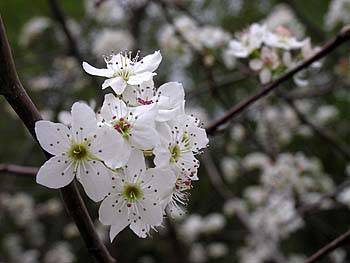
x: 123, y: 70
x: 248, y: 41
x: 82, y: 151
x: 180, y: 141
x: 266, y: 64
x: 282, y: 38
x: 136, y: 197
x: 134, y: 126
x: 168, y: 100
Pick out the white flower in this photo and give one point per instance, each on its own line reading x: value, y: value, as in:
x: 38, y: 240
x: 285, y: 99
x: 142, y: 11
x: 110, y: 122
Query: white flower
x: 283, y: 15
x: 282, y: 38
x: 32, y: 30
x: 217, y: 250
x: 169, y: 99
x: 338, y: 13
x: 191, y: 228
x: 230, y: 168
x: 137, y: 197
x: 60, y: 253
x: 213, y: 223
x: 213, y: 37
x: 105, y: 11
x: 180, y: 141
x: 248, y: 41
x: 134, y: 126
x: 266, y: 64
x: 78, y: 151
x: 122, y: 70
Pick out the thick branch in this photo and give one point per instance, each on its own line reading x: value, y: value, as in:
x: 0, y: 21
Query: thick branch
x: 342, y: 37
x: 12, y: 89
x: 18, y: 169
x: 338, y: 242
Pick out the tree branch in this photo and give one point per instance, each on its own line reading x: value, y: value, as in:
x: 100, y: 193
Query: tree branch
x: 342, y: 37
x: 60, y: 18
x: 338, y: 242
x: 18, y: 169
x: 12, y: 89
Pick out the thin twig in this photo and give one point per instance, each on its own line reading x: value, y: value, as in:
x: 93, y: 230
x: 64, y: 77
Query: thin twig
x: 14, y: 93
x: 18, y: 169
x: 342, y: 37
x: 61, y: 20
x: 338, y: 242
x: 214, y: 176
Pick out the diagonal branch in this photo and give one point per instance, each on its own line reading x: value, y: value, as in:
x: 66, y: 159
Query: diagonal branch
x: 338, y: 242
x: 13, y: 91
x: 342, y: 37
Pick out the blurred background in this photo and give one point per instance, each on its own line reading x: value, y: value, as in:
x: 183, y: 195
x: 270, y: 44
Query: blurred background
x: 274, y: 183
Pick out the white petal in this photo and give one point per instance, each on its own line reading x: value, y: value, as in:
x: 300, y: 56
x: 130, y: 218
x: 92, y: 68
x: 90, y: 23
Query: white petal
x: 95, y: 178
x: 113, y: 106
x: 140, y: 229
x: 144, y: 139
x: 255, y: 64
x: 53, y: 137
x: 141, y: 77
x: 108, y: 146
x: 65, y: 117
x: 163, y: 180
x: 166, y: 115
x: 149, y: 63
x: 56, y: 172
x: 84, y: 121
x: 174, y: 91
x: 108, y: 73
x: 118, y: 226
x: 164, y: 132
x: 135, y: 165
x: 112, y: 210
x: 162, y: 156
x: 150, y: 211
x: 118, y: 84
x: 265, y: 76
x: 200, y: 140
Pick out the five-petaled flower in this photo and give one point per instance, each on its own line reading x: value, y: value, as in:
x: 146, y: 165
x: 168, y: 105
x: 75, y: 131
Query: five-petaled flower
x: 123, y: 70
x: 78, y: 152
x: 137, y: 198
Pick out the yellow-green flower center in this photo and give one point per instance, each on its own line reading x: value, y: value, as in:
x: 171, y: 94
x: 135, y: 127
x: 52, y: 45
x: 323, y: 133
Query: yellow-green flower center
x: 78, y: 152
x: 175, y: 153
x: 132, y: 192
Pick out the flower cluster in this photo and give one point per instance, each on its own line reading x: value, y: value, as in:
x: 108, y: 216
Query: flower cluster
x: 338, y: 14
x: 109, y: 152
x: 270, y: 53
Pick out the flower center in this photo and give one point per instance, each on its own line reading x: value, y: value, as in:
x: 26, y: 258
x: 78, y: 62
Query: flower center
x: 132, y: 192
x: 175, y: 153
x: 122, y: 126
x: 78, y: 152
